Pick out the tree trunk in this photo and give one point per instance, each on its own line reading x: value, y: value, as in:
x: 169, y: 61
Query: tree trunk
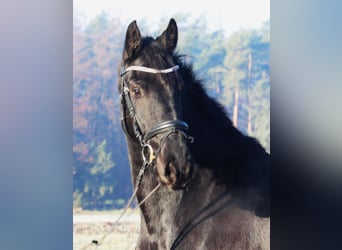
x: 249, y: 110
x: 236, y: 105
x: 249, y: 121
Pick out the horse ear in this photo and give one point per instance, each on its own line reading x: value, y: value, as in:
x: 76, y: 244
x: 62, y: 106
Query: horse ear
x: 132, y: 41
x: 168, y: 39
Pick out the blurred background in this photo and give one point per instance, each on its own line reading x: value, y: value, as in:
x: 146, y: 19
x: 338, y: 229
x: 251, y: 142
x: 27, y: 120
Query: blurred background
x: 228, y: 45
x: 37, y: 145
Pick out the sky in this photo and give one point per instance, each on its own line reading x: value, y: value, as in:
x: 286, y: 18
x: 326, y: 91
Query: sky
x: 227, y: 15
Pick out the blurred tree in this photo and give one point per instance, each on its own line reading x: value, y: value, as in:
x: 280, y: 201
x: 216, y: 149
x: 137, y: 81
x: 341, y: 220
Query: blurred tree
x: 99, y: 187
x: 97, y: 53
x: 237, y: 65
x: 246, y: 81
x: 260, y: 110
x: 204, y: 50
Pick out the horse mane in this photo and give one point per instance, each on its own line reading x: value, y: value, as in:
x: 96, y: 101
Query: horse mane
x: 208, y: 105
x: 238, y: 161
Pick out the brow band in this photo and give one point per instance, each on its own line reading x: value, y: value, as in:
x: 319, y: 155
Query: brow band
x: 150, y: 70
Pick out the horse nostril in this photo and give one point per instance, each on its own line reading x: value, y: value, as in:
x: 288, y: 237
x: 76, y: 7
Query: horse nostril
x: 170, y: 169
x: 167, y: 169
x: 175, y: 171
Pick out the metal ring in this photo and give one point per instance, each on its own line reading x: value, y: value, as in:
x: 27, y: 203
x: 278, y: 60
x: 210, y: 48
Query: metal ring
x: 150, y: 153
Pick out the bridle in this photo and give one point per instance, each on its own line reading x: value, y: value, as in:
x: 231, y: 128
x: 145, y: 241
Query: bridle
x: 148, y: 155
x: 167, y: 127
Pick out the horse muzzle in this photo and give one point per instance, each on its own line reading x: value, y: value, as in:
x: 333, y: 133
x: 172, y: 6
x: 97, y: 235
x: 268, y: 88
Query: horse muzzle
x: 175, y: 169
x: 172, y: 158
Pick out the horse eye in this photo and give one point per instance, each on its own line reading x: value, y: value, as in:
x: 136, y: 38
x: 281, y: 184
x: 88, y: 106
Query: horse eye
x: 136, y: 92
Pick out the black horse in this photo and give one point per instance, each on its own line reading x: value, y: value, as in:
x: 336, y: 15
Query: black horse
x: 212, y: 181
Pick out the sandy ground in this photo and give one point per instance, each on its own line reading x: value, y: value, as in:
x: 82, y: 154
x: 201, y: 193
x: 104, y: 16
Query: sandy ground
x: 94, y: 226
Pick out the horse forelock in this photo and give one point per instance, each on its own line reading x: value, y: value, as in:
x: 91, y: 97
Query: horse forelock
x: 152, y: 55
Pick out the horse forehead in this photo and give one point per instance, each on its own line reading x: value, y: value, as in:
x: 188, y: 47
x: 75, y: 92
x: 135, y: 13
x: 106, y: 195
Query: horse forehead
x: 153, y: 55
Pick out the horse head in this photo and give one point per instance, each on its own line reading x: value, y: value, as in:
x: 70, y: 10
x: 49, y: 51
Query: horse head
x: 152, y: 115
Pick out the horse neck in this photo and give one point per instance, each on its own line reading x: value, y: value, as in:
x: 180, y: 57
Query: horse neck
x: 209, y: 124
x: 218, y: 145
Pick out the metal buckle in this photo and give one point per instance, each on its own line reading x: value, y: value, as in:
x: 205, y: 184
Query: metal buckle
x: 148, y: 150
